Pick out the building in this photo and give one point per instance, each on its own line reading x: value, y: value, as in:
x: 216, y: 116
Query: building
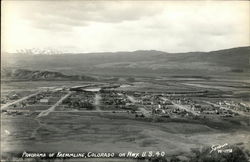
x: 44, y: 100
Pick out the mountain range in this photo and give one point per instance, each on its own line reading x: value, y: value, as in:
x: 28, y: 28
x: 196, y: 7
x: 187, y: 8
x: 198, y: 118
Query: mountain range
x: 234, y: 61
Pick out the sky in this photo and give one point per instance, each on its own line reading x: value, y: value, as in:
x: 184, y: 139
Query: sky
x: 109, y: 26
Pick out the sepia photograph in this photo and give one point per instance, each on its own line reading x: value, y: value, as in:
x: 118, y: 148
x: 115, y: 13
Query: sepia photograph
x: 125, y: 81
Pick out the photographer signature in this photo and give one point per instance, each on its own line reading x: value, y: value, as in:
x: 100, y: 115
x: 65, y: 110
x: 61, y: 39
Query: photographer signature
x: 221, y: 148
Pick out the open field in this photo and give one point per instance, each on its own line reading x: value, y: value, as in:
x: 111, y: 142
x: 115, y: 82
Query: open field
x: 94, y: 131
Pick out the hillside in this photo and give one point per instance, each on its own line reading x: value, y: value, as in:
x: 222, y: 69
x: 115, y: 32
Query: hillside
x: 22, y: 74
x: 228, y: 61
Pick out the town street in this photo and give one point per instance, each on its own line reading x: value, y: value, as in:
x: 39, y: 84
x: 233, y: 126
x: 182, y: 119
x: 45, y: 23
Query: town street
x: 225, y: 108
x: 19, y: 100
x: 181, y: 107
x: 52, y: 108
x: 145, y: 112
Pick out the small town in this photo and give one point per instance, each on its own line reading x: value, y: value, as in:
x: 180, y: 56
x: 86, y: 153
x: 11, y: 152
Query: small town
x: 108, y: 99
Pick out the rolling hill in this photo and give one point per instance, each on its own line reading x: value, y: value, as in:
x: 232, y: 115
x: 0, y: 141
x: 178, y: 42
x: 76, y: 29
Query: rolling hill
x: 22, y: 74
x: 229, y: 62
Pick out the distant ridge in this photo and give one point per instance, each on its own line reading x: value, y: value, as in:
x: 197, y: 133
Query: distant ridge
x: 136, y: 51
x: 141, y: 62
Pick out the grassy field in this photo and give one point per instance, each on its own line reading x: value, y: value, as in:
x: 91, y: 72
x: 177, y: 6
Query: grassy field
x: 112, y: 133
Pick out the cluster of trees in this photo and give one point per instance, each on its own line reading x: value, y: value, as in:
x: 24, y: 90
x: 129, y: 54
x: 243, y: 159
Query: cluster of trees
x: 79, y: 104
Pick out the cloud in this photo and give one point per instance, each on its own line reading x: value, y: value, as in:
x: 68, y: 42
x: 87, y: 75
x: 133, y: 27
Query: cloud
x: 63, y: 14
x: 90, y: 26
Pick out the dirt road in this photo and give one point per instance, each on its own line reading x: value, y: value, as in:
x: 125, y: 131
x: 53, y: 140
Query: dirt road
x: 19, y: 100
x: 52, y: 108
x: 181, y: 107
